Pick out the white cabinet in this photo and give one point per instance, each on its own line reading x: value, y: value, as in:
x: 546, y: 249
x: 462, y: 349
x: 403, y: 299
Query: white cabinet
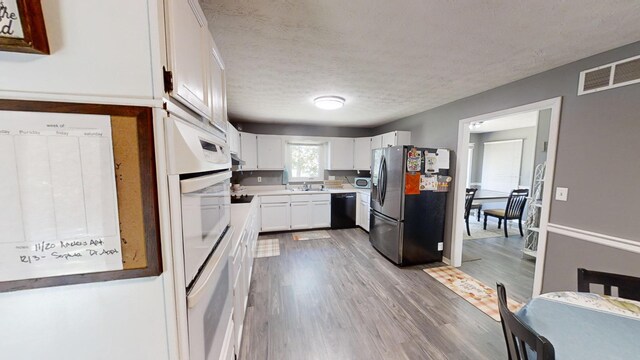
x: 376, y: 142
x: 341, y: 154
x: 188, y: 44
x: 233, y: 138
x: 217, y: 88
x: 274, y: 211
x: 363, y: 211
x: 300, y: 215
x: 396, y: 138
x: 270, y: 153
x: 249, y: 151
x: 362, y: 154
x: 321, y: 213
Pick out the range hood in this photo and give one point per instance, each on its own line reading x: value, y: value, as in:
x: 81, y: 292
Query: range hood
x: 235, y: 160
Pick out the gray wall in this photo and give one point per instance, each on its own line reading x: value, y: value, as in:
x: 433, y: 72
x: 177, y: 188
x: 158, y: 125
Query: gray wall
x: 597, y: 155
x: 301, y: 130
x: 528, y: 151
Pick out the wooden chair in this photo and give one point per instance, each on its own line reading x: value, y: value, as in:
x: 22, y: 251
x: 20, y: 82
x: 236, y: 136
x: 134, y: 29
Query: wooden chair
x: 468, y: 201
x: 628, y: 286
x: 513, y: 211
x: 520, y: 338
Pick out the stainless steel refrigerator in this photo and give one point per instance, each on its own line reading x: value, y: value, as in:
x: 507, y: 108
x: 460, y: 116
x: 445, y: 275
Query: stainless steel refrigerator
x: 407, y: 226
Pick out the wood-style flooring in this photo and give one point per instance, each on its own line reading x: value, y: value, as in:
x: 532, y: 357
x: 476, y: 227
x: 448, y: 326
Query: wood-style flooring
x: 338, y: 298
x: 500, y: 259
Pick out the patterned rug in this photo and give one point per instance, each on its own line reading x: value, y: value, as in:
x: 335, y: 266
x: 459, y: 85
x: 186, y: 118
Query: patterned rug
x: 268, y: 247
x: 311, y: 235
x: 470, y: 289
x: 477, y: 231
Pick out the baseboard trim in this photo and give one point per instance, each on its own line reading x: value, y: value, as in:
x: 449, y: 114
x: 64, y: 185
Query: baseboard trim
x: 446, y: 260
x: 597, y: 238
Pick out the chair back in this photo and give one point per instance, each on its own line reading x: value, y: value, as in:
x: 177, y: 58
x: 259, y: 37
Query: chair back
x: 628, y: 286
x: 515, y: 204
x: 519, y: 336
x: 468, y: 200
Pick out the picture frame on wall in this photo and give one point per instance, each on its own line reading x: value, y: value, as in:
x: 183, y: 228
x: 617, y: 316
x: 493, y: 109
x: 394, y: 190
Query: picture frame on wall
x: 22, y: 27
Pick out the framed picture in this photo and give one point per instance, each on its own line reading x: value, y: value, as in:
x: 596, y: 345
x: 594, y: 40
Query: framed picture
x: 22, y: 27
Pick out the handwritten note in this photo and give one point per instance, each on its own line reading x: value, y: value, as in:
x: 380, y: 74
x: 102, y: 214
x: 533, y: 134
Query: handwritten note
x: 10, y: 25
x: 58, y: 199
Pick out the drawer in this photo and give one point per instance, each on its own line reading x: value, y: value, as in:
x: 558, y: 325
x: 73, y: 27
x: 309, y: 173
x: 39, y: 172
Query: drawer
x: 274, y: 199
x: 320, y: 197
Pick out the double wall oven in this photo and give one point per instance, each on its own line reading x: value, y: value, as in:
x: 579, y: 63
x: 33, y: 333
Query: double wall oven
x: 199, y: 165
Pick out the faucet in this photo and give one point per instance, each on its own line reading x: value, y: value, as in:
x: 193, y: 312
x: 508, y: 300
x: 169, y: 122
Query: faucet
x: 305, y: 186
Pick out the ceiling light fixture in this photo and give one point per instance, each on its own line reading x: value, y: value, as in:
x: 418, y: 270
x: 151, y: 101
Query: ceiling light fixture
x: 329, y: 102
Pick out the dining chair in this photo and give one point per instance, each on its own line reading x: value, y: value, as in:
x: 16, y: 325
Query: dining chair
x: 513, y: 211
x: 628, y: 286
x: 468, y: 201
x: 520, y: 338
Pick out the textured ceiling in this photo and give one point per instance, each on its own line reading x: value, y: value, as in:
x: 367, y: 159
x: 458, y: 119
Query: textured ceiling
x: 391, y: 59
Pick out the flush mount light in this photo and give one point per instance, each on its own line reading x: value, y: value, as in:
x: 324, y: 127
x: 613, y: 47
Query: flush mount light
x: 329, y: 102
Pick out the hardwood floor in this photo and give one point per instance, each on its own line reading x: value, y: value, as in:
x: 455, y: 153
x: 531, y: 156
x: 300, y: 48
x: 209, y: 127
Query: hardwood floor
x: 500, y: 259
x: 338, y: 298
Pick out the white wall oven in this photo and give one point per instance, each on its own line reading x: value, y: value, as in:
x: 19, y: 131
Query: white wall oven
x: 199, y: 184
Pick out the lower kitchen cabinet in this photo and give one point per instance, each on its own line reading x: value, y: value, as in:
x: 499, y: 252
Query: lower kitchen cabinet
x: 295, y: 212
x: 363, y: 212
x: 247, y: 225
x: 275, y: 213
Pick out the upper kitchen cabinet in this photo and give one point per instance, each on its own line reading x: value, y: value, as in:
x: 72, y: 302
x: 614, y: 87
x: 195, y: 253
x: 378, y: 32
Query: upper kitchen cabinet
x: 340, y: 154
x: 217, y: 88
x: 376, y: 142
x: 395, y: 138
x: 189, y: 55
x: 362, y: 153
x: 233, y: 138
x: 270, y: 152
x: 102, y: 52
x: 249, y: 151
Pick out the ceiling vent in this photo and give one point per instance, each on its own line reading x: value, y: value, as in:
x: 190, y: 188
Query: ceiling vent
x: 619, y: 73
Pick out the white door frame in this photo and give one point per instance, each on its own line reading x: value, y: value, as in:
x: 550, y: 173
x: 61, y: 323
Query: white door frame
x: 461, y: 173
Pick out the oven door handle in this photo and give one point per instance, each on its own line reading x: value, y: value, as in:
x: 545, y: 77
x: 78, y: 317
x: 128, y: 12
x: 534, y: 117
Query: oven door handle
x: 203, y: 282
x: 203, y: 182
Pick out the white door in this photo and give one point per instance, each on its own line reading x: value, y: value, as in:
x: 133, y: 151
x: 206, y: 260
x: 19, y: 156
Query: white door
x: 362, y: 153
x: 270, y: 154
x: 300, y: 215
x: 189, y: 41
x: 275, y: 217
x: 341, y: 154
x: 389, y: 139
x: 249, y: 151
x: 501, y: 165
x: 321, y: 214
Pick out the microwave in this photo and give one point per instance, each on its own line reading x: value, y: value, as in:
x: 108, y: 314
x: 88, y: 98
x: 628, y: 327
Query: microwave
x: 362, y: 183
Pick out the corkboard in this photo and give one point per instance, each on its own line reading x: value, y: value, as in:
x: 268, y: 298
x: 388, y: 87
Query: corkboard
x: 136, y: 184
x: 124, y: 132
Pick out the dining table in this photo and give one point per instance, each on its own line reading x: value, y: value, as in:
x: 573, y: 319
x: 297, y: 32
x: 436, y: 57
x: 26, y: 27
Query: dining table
x: 585, y: 325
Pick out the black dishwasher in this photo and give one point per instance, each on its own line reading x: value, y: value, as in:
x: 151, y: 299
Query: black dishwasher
x: 343, y: 210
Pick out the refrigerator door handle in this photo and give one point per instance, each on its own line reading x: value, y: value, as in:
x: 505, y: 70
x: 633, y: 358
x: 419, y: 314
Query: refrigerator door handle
x: 383, y: 173
x: 378, y: 188
x: 384, y: 218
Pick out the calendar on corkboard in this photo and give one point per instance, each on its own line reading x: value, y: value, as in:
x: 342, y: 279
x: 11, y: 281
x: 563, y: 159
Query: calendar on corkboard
x: 78, y: 198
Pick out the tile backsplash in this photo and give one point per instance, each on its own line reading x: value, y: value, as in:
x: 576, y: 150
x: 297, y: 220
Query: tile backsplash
x: 270, y: 177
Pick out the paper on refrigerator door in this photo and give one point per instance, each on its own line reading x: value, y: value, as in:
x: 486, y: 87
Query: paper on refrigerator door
x: 58, y: 199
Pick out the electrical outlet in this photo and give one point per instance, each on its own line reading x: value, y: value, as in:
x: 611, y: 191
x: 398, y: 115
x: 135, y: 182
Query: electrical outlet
x: 562, y: 193
x: 259, y: 179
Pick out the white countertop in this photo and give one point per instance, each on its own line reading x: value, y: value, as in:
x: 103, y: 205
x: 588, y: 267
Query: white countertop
x: 281, y: 190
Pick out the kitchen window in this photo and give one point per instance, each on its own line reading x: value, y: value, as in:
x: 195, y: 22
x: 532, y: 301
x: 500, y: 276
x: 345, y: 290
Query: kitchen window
x: 305, y: 162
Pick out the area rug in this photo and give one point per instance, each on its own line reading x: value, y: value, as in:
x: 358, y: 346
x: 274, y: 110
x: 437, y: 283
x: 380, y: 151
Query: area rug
x: 477, y: 231
x: 476, y: 293
x: 311, y: 235
x: 267, y: 248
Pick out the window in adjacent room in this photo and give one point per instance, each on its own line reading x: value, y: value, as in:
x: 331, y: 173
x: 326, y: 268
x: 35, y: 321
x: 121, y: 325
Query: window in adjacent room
x: 305, y: 162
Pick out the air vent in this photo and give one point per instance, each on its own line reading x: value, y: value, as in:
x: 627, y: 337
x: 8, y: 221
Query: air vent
x: 620, y: 73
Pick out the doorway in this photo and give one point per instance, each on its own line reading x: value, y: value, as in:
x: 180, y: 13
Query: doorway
x: 507, y: 168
